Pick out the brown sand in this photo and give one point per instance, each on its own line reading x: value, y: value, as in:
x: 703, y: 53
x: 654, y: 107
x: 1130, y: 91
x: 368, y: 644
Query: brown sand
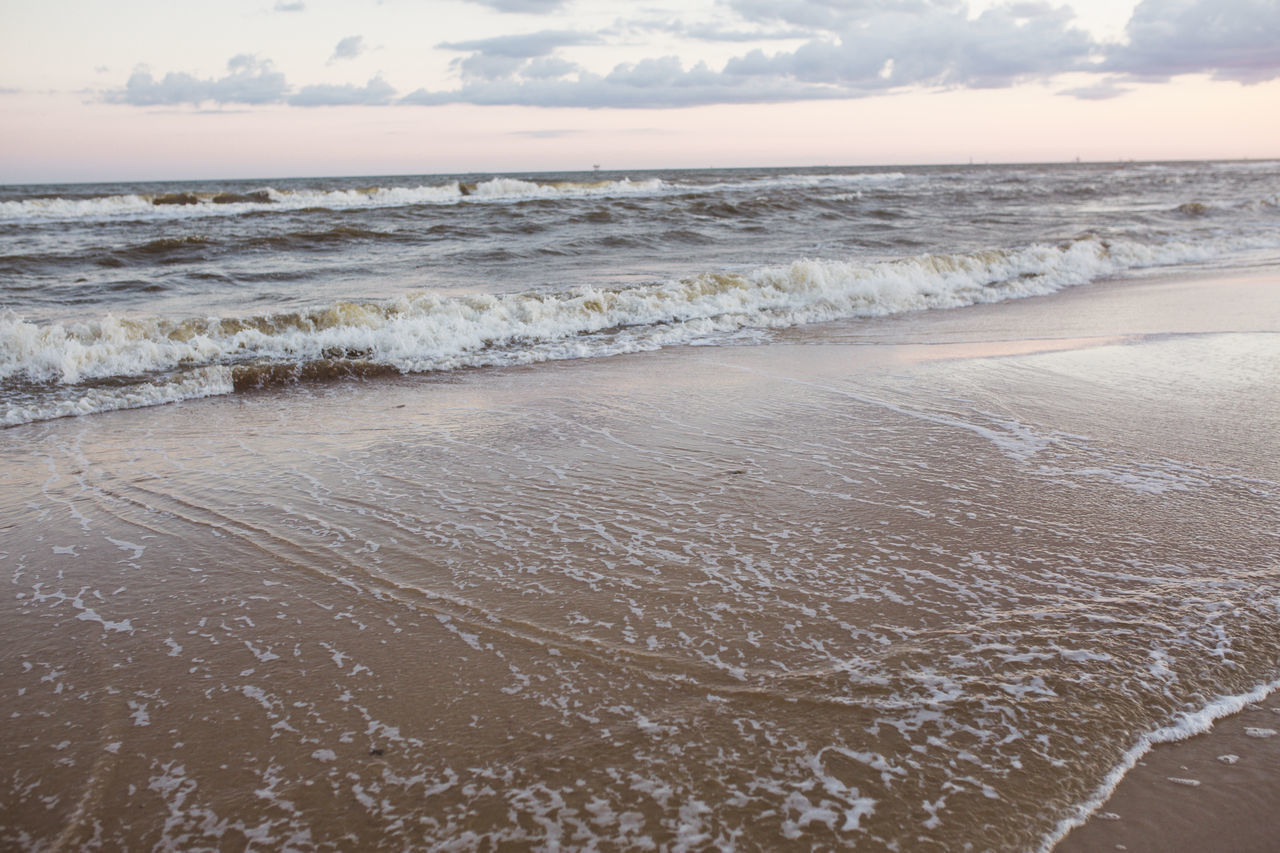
x: 1216, y: 791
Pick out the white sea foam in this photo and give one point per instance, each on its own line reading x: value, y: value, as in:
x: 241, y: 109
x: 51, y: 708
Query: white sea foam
x: 1188, y: 724
x: 139, y: 206
x: 497, y: 189
x: 833, y: 180
x: 202, y: 382
x: 428, y: 332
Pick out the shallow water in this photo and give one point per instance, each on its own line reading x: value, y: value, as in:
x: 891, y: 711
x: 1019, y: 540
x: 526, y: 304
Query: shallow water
x: 806, y: 594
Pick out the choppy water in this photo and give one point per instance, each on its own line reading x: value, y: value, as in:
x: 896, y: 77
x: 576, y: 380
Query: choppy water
x: 908, y: 577
x: 125, y: 295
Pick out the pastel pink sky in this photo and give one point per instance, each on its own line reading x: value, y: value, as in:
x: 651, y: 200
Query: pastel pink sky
x: 276, y: 89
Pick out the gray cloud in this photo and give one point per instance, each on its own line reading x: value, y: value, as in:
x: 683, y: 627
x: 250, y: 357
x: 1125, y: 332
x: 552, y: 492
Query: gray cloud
x: 851, y: 48
x: 856, y: 48
x: 1104, y: 89
x: 833, y: 15
x: 348, y: 48
x: 533, y: 7
x: 549, y: 67
x: 716, y: 32
x: 249, y: 81
x: 524, y: 45
x: 527, y: 54
x: 282, y: 6
x: 935, y: 46
x: 705, y: 31
x: 1229, y: 39
x: 651, y: 84
x: 374, y: 93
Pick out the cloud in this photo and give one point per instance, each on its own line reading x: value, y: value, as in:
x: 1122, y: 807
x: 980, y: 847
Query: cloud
x: 1104, y: 89
x: 282, y: 6
x: 936, y: 45
x: 648, y: 84
x: 833, y: 15
x: 533, y: 7
x: 711, y: 31
x: 855, y: 48
x: 524, y: 45
x: 1229, y: 39
x: 348, y: 48
x: 374, y: 93
x: 526, y: 54
x: 249, y: 81
x: 846, y: 49
x: 717, y: 32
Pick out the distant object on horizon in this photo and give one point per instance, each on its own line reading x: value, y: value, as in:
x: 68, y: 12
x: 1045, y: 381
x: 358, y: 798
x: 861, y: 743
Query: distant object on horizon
x: 595, y: 166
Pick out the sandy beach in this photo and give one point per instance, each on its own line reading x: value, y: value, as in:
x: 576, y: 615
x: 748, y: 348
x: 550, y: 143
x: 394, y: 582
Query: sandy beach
x: 918, y: 582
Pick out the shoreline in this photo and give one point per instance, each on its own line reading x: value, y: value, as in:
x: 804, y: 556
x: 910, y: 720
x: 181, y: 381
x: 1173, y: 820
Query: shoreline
x: 776, y: 590
x: 1213, y: 789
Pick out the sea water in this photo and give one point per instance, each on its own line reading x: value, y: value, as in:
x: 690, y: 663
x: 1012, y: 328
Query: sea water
x: 742, y: 510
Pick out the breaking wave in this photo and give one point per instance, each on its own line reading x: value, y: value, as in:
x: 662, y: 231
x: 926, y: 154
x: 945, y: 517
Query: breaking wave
x: 147, y: 361
x: 178, y: 205
x: 186, y: 204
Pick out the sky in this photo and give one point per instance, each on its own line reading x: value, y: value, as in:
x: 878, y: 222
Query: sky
x: 168, y: 89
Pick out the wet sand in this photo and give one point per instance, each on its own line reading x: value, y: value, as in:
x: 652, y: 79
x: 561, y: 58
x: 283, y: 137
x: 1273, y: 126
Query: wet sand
x: 1215, y: 791
x: 916, y: 582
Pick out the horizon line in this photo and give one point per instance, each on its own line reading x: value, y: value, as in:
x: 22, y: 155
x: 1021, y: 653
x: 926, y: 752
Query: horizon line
x: 598, y: 170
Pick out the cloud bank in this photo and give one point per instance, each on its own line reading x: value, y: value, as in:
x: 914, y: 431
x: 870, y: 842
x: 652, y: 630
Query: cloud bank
x: 1229, y: 39
x: 249, y: 81
x: 848, y: 49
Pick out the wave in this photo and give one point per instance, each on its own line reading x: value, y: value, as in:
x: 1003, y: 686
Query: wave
x: 178, y: 205
x: 429, y: 332
x: 1188, y: 724
x: 189, y: 204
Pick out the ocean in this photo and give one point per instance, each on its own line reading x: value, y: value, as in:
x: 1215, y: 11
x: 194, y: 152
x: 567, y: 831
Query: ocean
x: 759, y: 509
x: 126, y: 295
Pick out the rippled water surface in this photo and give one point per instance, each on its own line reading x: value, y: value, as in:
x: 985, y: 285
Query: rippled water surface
x: 125, y: 295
